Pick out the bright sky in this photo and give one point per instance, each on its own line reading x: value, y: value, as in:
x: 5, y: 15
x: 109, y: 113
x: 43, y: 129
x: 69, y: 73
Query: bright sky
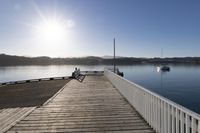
x: 63, y: 28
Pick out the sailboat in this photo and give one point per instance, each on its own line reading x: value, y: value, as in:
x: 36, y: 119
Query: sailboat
x: 163, y: 67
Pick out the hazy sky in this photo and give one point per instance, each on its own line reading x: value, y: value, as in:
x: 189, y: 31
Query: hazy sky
x: 62, y: 28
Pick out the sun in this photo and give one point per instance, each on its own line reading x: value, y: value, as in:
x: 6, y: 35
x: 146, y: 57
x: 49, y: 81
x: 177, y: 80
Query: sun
x: 52, y: 31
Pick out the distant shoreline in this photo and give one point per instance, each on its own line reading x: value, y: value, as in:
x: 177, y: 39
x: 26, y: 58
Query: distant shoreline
x: 10, y: 60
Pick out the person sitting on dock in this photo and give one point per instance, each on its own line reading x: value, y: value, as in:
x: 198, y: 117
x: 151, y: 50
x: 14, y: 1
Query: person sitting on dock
x: 77, y: 75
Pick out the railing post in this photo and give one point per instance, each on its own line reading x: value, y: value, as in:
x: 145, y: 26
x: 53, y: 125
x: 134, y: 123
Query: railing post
x: 162, y: 116
x: 193, y: 126
x: 173, y: 123
x: 154, y: 112
x: 187, y: 126
x: 169, y: 119
x: 146, y: 104
x: 157, y: 114
x: 182, y: 122
x: 165, y: 117
x: 177, y: 120
x: 149, y: 108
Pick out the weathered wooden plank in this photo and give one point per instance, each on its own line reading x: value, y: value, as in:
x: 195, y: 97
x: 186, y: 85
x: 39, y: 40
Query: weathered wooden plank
x: 86, y: 116
x: 85, y: 124
x: 88, y: 130
x: 7, y: 112
x: 82, y: 124
x: 83, y: 121
x: 83, y: 114
x: 132, y: 131
x: 129, y: 131
x: 12, y: 116
x: 91, y: 131
x: 74, y: 127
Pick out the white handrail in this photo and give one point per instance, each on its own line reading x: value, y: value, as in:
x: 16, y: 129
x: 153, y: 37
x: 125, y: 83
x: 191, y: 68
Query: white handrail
x: 162, y: 114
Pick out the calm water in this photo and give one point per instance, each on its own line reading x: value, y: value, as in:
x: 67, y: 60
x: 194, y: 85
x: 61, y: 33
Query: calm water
x: 181, y: 84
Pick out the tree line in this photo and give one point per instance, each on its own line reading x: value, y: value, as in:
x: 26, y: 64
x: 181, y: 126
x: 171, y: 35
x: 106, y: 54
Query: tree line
x: 10, y: 60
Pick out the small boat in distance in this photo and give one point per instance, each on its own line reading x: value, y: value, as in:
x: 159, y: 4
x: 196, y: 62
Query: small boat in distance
x: 163, y: 68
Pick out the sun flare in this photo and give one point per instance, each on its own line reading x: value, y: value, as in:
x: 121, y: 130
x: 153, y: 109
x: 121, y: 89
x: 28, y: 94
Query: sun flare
x: 52, y: 31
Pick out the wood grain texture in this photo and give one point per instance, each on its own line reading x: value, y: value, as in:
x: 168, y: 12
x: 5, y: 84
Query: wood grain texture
x: 10, y: 116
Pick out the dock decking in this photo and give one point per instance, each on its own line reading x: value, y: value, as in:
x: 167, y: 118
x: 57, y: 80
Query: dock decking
x: 10, y: 116
x: 93, y: 105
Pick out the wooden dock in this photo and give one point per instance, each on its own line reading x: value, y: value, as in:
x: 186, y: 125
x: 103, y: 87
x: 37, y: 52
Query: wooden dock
x: 93, y: 105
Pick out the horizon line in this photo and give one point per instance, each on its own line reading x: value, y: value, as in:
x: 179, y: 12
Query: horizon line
x: 104, y: 56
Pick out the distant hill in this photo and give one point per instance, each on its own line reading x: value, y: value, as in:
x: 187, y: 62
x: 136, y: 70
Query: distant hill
x: 10, y: 60
x: 110, y: 57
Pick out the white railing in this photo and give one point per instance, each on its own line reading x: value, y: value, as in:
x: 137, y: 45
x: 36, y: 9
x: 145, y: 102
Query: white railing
x: 163, y: 115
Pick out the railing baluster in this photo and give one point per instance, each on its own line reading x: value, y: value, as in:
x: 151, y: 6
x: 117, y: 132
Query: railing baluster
x: 142, y: 106
x: 162, y: 116
x: 182, y: 122
x: 169, y: 119
x: 177, y: 120
x: 150, y: 109
x: 193, y: 126
x: 187, y: 126
x: 157, y: 117
x: 159, y: 112
x: 173, y: 123
x: 153, y: 110
x: 154, y: 101
x: 165, y: 117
